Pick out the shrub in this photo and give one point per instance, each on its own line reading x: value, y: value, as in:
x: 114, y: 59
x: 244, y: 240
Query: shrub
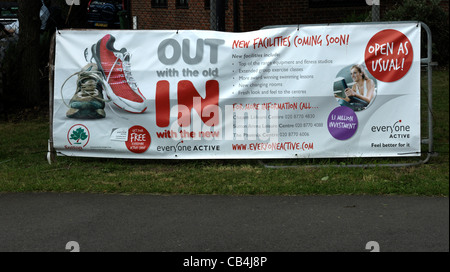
x: 430, y: 13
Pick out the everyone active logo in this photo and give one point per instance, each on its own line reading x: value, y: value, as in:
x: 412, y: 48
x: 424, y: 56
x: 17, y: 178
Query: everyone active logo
x: 398, y: 130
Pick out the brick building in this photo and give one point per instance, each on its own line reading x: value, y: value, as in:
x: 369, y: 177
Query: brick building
x: 240, y: 15
x: 248, y: 15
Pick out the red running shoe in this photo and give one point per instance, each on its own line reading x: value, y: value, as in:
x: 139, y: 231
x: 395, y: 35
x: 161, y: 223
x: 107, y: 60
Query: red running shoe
x: 115, y: 67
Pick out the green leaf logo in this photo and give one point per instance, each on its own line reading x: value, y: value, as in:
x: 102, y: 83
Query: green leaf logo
x: 78, y: 134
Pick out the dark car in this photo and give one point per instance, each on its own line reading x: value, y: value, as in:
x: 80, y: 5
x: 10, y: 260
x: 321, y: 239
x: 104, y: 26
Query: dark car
x: 105, y: 13
x: 8, y: 12
x: 8, y: 16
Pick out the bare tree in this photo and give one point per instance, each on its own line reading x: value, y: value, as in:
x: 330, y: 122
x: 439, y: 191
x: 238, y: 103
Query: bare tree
x: 29, y: 52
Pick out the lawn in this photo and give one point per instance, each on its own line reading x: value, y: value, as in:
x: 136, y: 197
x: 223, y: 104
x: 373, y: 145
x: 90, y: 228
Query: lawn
x: 24, y: 168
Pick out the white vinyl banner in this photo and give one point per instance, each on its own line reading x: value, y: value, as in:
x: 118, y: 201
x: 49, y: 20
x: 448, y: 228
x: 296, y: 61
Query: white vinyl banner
x: 309, y: 92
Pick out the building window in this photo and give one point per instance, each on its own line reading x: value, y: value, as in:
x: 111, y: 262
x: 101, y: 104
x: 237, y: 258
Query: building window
x: 159, y: 3
x: 336, y: 3
x: 182, y: 3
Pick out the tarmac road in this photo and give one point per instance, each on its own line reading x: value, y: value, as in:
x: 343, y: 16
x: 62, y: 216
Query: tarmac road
x: 46, y: 222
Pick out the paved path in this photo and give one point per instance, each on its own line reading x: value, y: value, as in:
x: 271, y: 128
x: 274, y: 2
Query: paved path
x: 47, y: 221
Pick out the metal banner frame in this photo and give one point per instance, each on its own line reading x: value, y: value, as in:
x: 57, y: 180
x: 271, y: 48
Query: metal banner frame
x: 425, y: 62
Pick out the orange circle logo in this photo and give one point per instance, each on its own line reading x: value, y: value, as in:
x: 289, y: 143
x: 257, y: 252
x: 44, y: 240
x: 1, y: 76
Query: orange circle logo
x: 138, y: 139
x: 389, y: 55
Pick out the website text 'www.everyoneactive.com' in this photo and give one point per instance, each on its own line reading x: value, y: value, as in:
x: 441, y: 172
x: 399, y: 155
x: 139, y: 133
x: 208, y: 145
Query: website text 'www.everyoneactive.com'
x: 286, y: 146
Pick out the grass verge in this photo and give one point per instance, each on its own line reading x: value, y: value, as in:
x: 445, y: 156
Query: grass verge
x: 23, y: 168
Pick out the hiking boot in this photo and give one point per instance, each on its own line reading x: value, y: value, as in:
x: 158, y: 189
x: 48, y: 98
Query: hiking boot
x: 87, y: 102
x: 115, y: 67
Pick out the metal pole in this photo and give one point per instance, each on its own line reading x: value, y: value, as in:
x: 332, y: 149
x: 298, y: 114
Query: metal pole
x: 375, y: 12
x: 51, y: 155
x: 212, y: 15
x: 236, y: 27
x: 430, y: 64
x: 220, y: 15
